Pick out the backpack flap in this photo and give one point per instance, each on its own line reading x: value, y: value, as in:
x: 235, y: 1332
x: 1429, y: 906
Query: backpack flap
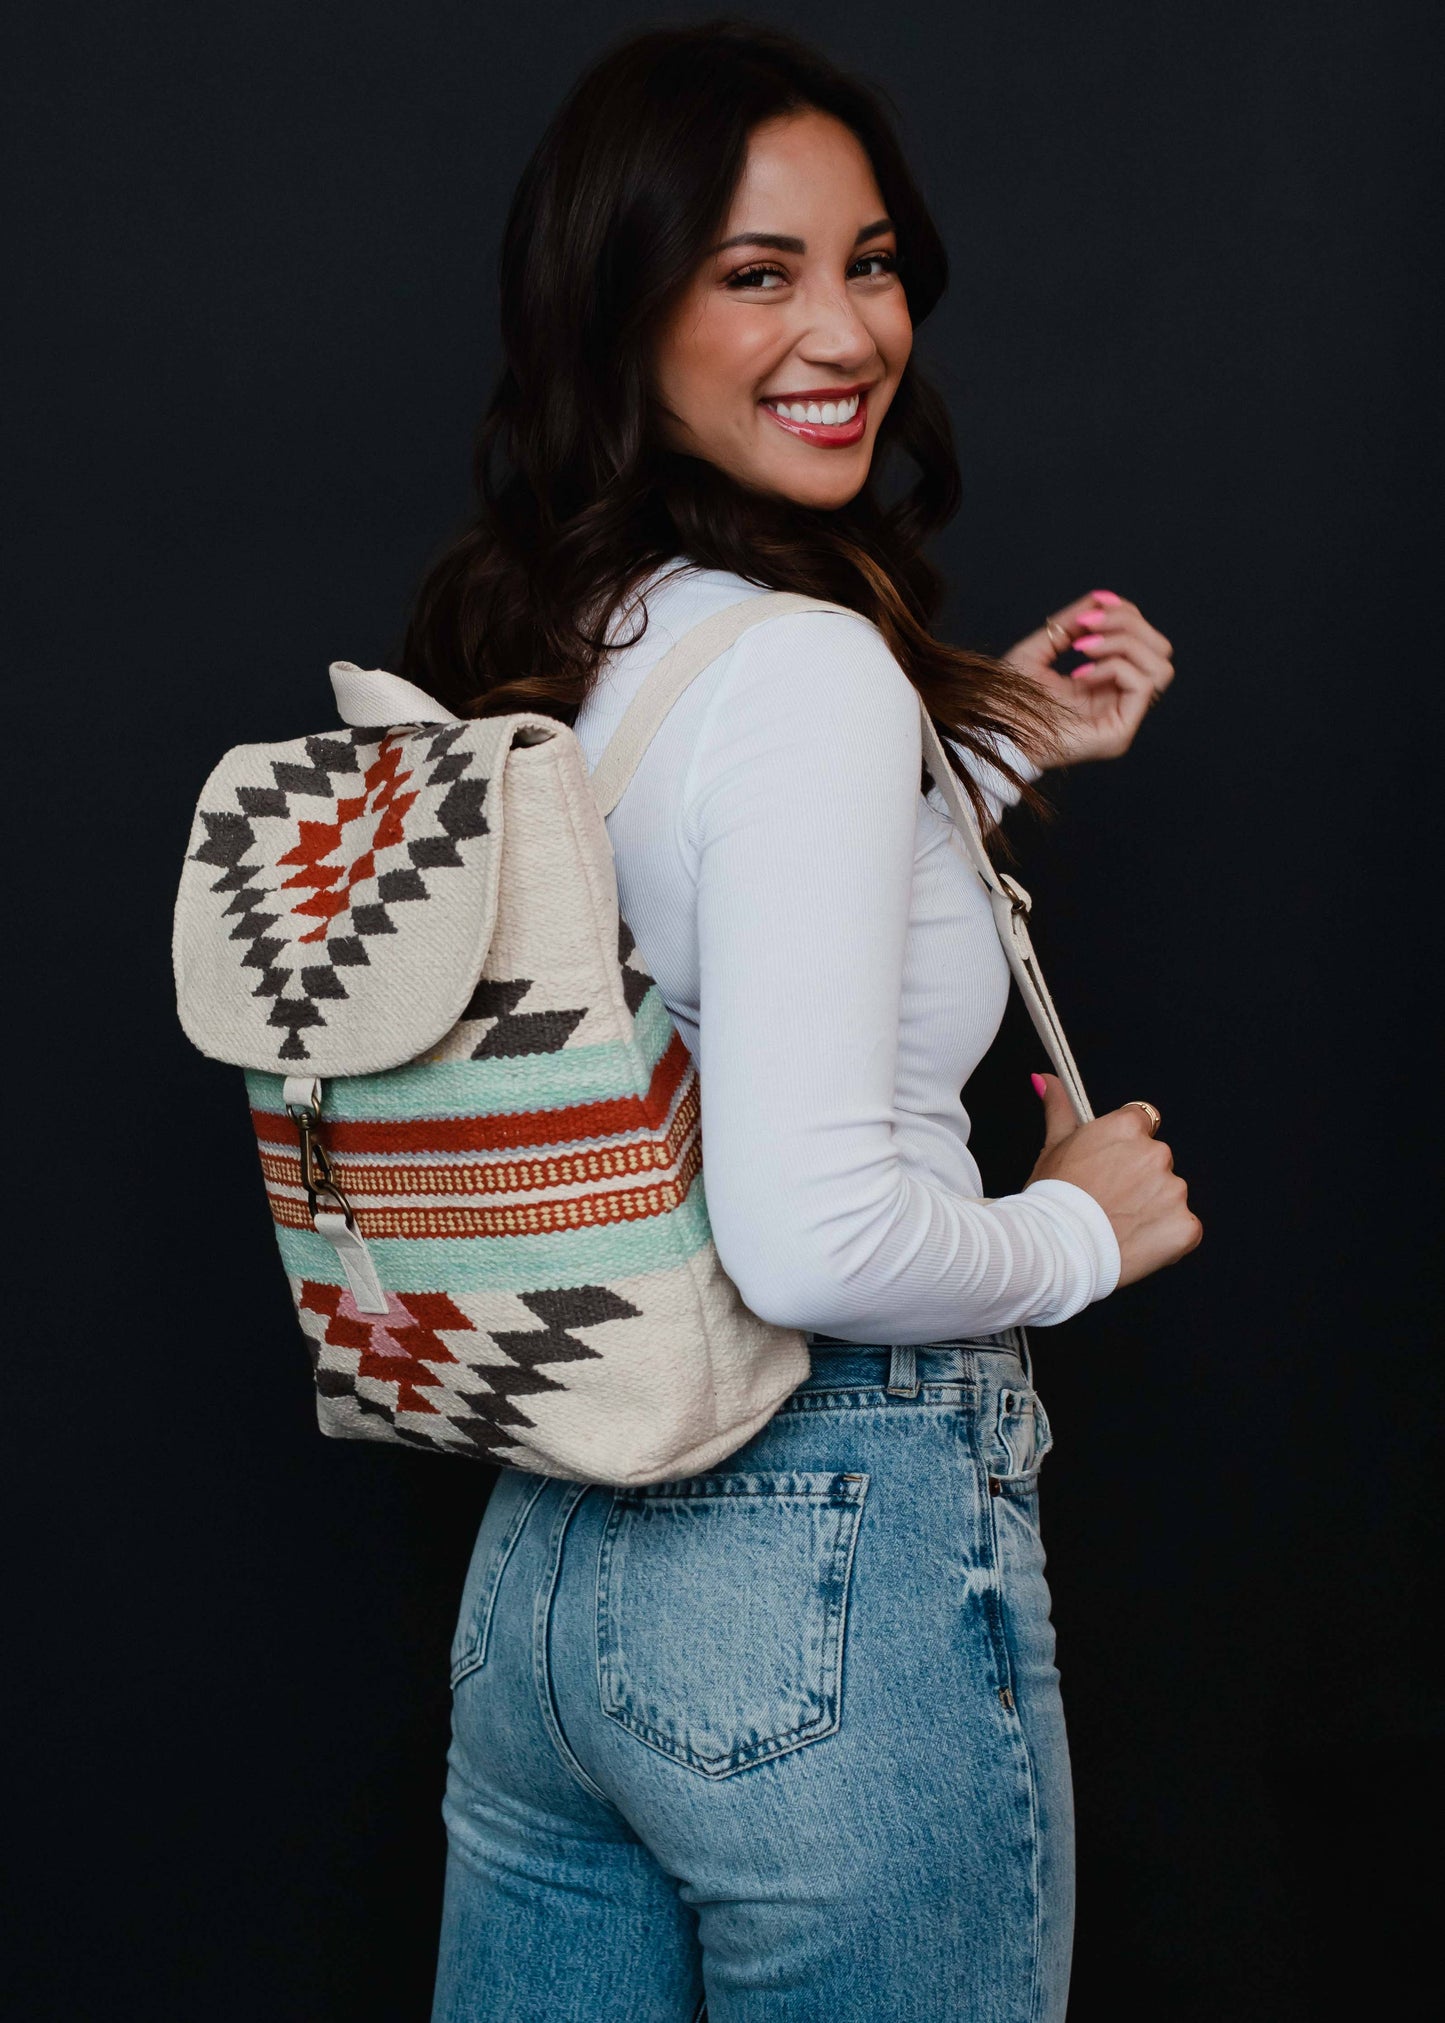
x: 340, y: 891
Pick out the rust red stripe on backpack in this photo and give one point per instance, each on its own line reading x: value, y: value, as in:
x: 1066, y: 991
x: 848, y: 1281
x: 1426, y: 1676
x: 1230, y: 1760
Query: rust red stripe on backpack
x: 282, y: 1167
x: 571, y: 1125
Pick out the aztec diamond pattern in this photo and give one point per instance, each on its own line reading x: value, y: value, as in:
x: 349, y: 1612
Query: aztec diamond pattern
x: 371, y: 822
x: 425, y: 921
x: 420, y: 1369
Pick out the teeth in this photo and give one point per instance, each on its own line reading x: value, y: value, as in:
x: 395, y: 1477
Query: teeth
x: 826, y: 414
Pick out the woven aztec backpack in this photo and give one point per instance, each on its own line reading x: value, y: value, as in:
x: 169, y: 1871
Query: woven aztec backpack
x: 478, y: 1127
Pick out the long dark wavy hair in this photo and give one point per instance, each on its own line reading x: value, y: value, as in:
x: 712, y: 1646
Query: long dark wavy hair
x: 578, y: 499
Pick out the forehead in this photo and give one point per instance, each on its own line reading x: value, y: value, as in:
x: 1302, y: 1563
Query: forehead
x: 805, y: 164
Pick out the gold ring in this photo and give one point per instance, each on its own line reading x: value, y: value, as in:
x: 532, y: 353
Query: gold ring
x: 1137, y: 1103
x: 1051, y: 625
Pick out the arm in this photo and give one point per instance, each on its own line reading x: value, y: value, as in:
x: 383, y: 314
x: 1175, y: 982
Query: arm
x: 801, y: 809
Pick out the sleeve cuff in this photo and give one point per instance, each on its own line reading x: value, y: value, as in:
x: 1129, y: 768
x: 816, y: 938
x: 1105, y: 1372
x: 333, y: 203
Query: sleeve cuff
x: 1081, y: 1214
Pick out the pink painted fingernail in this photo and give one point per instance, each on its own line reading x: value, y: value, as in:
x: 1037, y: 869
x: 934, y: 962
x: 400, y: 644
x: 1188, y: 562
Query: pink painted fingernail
x: 1041, y: 1087
x: 1106, y: 597
x: 1090, y: 643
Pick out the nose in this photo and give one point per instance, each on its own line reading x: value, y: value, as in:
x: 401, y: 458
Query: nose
x: 834, y: 333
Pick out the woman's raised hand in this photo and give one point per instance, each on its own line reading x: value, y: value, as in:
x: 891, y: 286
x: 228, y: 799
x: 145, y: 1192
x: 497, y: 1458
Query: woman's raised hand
x: 1128, y: 666
x: 1129, y: 1172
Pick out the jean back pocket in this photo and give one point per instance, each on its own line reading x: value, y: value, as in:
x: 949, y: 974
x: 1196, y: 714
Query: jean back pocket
x: 722, y: 1603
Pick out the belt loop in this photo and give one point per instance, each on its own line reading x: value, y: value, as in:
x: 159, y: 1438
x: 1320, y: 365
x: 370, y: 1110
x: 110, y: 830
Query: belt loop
x: 1024, y: 1357
x: 902, y: 1371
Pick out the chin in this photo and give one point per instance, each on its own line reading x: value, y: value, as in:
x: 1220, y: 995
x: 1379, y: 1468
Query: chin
x: 826, y: 498
x: 832, y: 502
x: 821, y: 491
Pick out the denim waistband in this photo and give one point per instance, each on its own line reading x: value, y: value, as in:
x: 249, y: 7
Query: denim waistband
x: 904, y: 1365
x: 1006, y: 1341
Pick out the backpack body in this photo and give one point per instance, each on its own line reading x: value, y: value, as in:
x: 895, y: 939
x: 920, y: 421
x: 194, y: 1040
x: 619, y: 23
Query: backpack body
x: 478, y: 1128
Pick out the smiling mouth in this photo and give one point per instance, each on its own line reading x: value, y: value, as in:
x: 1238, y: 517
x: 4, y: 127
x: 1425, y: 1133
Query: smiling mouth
x: 831, y: 423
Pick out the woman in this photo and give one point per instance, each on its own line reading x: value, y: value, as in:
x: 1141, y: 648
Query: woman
x: 800, y: 1756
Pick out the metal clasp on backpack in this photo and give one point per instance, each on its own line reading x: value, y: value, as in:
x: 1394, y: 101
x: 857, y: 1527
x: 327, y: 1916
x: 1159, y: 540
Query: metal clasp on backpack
x: 317, y: 1175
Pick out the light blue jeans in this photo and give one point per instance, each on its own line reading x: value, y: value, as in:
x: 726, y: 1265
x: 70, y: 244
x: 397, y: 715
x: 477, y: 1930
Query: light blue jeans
x: 785, y: 1738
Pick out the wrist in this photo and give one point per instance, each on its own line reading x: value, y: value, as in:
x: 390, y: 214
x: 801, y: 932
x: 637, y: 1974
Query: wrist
x: 1090, y: 1218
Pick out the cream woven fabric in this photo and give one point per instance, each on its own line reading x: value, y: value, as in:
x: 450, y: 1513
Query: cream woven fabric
x: 478, y: 1127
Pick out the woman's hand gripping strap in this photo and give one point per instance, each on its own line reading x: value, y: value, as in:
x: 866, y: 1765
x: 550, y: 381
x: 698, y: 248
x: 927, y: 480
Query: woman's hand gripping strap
x: 332, y: 1215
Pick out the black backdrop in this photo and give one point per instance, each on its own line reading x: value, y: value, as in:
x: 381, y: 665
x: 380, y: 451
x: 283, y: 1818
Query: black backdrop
x: 1187, y: 350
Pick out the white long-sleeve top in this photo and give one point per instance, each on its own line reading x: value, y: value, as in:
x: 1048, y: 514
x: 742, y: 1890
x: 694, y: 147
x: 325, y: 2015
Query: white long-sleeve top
x: 828, y: 954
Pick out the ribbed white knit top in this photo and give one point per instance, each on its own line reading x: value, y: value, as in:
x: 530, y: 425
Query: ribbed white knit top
x: 828, y: 954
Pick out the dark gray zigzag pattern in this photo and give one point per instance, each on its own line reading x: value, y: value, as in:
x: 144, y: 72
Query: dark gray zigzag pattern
x: 537, y: 1032
x: 230, y: 835
x: 542, y: 1032
x: 636, y: 982
x: 497, y: 1419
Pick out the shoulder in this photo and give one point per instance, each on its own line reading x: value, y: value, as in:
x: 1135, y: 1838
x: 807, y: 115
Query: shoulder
x: 832, y: 661
x: 832, y: 667
x: 804, y: 704
x: 667, y: 603
x: 681, y: 594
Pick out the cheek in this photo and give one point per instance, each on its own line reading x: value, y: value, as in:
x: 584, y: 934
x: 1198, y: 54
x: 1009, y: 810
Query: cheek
x: 891, y: 328
x: 721, y: 355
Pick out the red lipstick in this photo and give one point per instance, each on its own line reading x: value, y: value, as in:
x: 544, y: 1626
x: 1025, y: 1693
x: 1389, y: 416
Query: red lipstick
x: 837, y: 435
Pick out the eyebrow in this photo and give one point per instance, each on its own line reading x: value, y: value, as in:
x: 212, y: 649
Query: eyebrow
x: 779, y: 243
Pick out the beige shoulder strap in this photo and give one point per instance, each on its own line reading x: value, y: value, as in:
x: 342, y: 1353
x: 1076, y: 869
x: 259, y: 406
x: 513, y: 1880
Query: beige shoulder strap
x: 697, y: 649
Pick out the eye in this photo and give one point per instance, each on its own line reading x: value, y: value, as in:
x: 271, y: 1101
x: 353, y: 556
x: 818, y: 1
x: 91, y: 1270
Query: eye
x: 889, y: 266
x: 753, y: 277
